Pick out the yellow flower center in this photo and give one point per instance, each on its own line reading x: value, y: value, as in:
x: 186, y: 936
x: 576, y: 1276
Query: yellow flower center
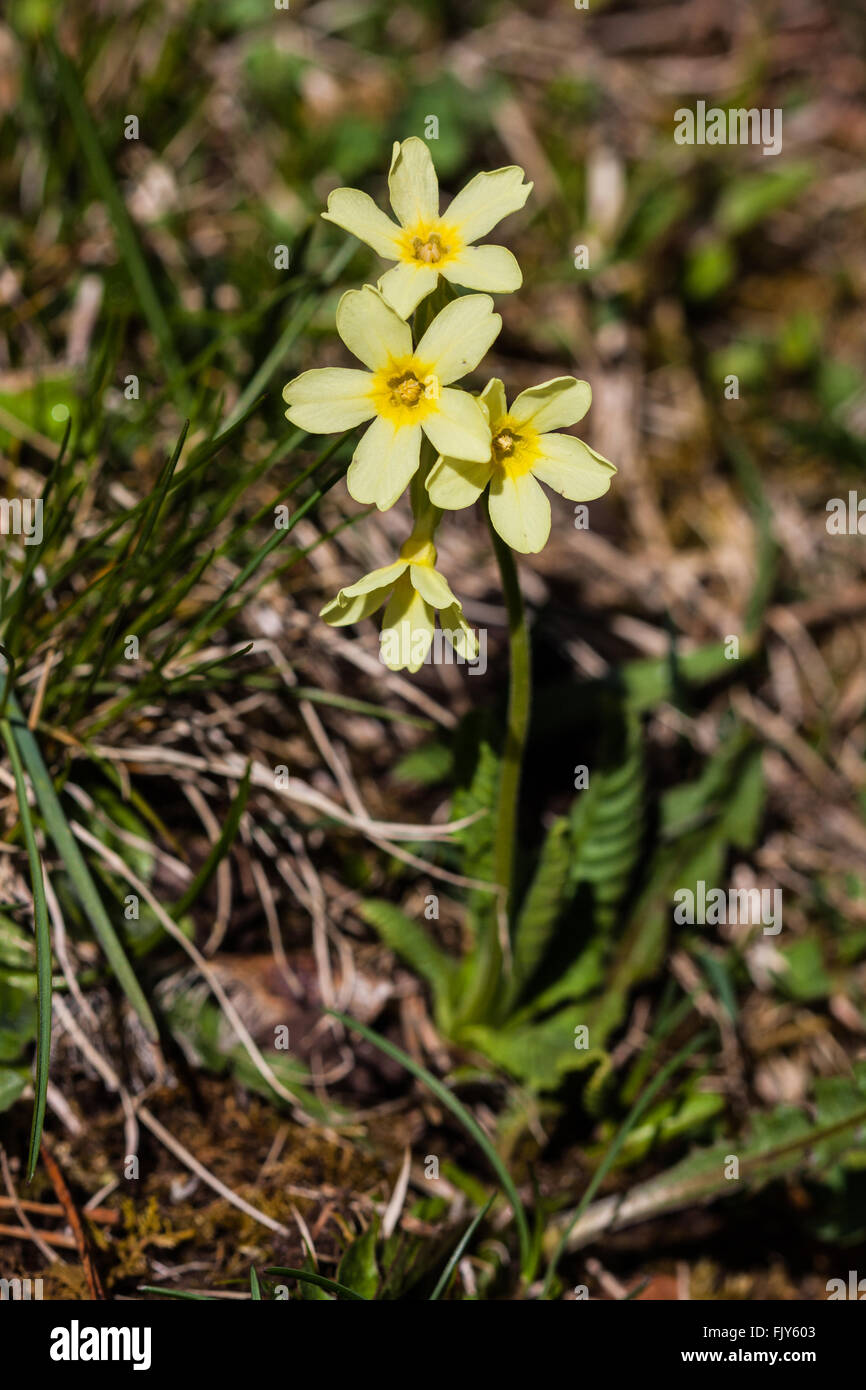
x: 405, y: 392
x: 407, y: 389
x: 430, y: 244
x: 515, y: 447
x: 430, y: 250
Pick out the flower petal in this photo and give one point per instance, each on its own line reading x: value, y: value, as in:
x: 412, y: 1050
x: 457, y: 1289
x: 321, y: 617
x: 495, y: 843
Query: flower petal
x: 455, y: 483
x: 485, y: 268
x: 552, y: 404
x: 406, y: 284
x: 340, y: 612
x: 492, y: 399
x: 371, y: 328
x: 432, y: 586
x: 486, y: 199
x: 459, y: 427
x: 356, y: 212
x: 407, y: 629
x: 458, y: 632
x: 520, y: 512
x: 381, y: 578
x: 571, y: 468
x: 383, y: 463
x: 459, y: 336
x: 412, y: 183
x: 328, y: 399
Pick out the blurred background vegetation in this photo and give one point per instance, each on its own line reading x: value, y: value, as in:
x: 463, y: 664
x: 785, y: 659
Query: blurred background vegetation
x: 714, y: 299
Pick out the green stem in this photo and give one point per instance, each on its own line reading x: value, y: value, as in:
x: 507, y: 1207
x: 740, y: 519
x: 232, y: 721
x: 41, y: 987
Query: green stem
x: 519, y: 689
x: 487, y: 979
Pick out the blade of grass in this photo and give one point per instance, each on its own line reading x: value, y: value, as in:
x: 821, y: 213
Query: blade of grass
x: 86, y: 891
x: 468, y: 1121
x: 129, y: 562
x: 32, y: 552
x: 177, y: 1293
x: 206, y: 622
x: 43, y: 951
x: 306, y: 1276
x: 355, y: 706
x: 460, y: 1247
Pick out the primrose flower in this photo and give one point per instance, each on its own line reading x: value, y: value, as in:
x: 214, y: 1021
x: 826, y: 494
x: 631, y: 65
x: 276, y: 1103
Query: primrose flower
x: 425, y: 245
x: 414, y: 589
x: 524, y: 453
x: 406, y: 390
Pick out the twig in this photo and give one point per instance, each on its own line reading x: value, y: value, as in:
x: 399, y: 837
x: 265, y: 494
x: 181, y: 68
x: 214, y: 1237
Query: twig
x: 64, y: 1196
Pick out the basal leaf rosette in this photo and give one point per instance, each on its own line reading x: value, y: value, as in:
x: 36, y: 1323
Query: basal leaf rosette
x: 526, y: 450
x: 413, y: 590
x: 424, y: 244
x: 406, y: 391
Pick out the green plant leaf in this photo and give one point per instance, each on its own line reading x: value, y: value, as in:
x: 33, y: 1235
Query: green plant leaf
x: 358, y: 1269
x: 539, y: 1054
x: 410, y: 941
x: 13, y: 1080
x: 785, y: 1141
x: 540, y: 911
x: 642, y: 1104
x: 607, y: 828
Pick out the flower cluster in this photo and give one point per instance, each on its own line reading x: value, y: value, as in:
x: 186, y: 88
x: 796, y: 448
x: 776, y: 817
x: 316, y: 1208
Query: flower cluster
x: 423, y: 432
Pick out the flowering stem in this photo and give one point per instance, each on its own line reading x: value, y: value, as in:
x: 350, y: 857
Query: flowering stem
x: 488, y: 977
x: 519, y: 688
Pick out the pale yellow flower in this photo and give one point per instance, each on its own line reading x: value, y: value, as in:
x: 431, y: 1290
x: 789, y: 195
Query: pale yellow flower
x: 524, y: 453
x: 406, y: 390
x: 425, y: 245
x: 414, y: 590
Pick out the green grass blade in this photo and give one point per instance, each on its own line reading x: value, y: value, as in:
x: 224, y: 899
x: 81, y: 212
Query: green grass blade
x: 177, y: 1293
x: 214, y: 613
x: 159, y: 494
x: 306, y: 1276
x: 354, y: 706
x: 59, y: 831
x: 255, y: 1286
x: 43, y: 951
x: 461, y: 1246
x: 469, y: 1123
